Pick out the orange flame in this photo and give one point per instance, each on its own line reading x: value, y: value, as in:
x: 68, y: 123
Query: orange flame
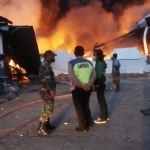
x: 12, y: 63
x: 18, y: 73
x: 81, y: 25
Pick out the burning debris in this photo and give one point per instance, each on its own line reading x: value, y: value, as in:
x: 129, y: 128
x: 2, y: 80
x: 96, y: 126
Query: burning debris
x: 19, y: 56
x: 137, y: 37
x: 63, y: 24
x: 17, y: 73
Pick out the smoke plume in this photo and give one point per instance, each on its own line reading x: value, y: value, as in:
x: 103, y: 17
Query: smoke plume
x: 21, y: 12
x: 53, y: 11
x: 63, y: 24
x: 48, y: 16
x: 88, y: 21
x: 117, y: 7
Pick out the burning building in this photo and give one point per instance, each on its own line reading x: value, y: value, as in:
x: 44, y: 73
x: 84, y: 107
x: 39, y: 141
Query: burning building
x: 138, y: 37
x: 133, y: 50
x: 19, y: 54
x: 63, y: 24
x: 84, y: 22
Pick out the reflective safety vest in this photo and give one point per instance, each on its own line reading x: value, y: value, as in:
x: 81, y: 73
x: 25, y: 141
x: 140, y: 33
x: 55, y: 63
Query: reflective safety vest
x: 82, y: 69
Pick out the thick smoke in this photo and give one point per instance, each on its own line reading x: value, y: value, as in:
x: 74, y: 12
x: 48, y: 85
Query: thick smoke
x: 48, y: 16
x: 88, y: 21
x: 62, y: 24
x: 21, y: 12
x: 118, y: 6
x: 53, y: 11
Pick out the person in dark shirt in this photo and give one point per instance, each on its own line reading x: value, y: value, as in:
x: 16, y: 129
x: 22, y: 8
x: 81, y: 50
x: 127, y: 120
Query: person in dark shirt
x: 100, y: 86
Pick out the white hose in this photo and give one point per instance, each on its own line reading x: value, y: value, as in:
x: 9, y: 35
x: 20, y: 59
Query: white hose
x: 144, y: 40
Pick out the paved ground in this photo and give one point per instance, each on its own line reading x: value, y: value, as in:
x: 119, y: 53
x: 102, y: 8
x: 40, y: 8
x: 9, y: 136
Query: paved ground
x: 127, y: 129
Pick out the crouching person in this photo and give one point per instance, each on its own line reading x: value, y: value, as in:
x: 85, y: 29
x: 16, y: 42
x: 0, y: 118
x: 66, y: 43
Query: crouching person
x: 47, y: 90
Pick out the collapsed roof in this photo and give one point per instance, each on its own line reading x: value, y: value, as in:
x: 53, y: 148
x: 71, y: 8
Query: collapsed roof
x: 134, y: 38
x: 127, y: 39
x: 143, y: 23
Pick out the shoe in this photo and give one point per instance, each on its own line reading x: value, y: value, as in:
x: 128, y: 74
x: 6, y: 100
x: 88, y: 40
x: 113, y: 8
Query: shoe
x: 90, y: 124
x: 98, y: 121
x: 107, y: 118
x: 79, y: 129
x: 117, y: 90
x: 48, y: 125
x: 42, y: 130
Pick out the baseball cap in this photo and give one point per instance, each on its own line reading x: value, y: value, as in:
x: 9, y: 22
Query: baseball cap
x: 49, y: 52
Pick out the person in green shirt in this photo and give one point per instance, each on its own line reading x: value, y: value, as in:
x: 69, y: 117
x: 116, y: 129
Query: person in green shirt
x: 100, y: 85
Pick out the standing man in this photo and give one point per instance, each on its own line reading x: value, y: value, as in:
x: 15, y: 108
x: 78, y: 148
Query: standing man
x: 116, y: 72
x: 47, y: 90
x: 82, y: 76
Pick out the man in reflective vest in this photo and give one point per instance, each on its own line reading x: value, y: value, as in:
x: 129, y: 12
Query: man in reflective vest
x: 82, y: 76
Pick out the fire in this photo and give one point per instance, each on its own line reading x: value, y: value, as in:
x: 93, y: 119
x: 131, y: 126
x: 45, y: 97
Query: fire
x: 80, y: 25
x: 12, y: 64
x: 106, y: 56
x: 59, y: 41
x: 17, y: 72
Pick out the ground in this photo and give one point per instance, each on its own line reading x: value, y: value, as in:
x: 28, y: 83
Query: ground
x: 127, y: 129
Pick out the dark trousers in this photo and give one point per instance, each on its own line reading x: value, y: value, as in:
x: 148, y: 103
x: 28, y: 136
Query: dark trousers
x: 81, y: 103
x: 101, y: 100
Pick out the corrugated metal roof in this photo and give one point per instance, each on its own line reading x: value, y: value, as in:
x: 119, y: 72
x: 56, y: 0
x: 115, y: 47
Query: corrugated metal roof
x: 142, y: 23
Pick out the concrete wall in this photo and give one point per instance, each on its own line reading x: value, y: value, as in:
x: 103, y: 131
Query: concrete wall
x: 61, y: 62
x: 130, y: 66
x: 60, y: 66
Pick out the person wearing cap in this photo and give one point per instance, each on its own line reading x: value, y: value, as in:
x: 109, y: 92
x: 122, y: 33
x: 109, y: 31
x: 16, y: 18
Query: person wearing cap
x: 47, y: 88
x: 116, y: 72
x: 82, y: 76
